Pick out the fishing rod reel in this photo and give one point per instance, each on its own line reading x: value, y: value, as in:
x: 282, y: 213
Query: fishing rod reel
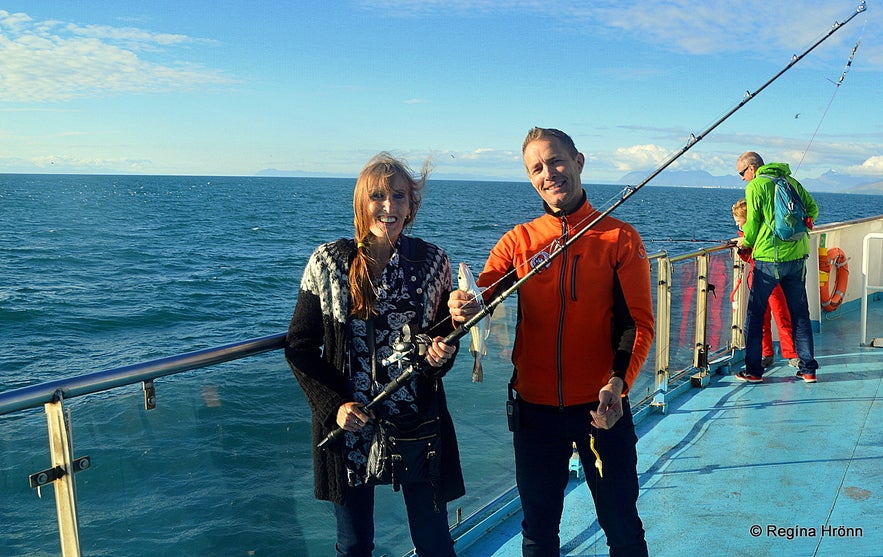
x: 410, y: 349
x: 409, y: 353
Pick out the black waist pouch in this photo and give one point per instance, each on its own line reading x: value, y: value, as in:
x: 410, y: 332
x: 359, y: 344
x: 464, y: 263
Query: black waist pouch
x: 401, y: 456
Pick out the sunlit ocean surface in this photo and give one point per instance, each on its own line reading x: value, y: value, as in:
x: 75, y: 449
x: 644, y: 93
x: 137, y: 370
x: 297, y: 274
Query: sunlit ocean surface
x: 98, y: 272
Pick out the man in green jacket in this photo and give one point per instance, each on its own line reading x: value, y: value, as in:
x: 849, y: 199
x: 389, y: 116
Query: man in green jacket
x: 776, y: 261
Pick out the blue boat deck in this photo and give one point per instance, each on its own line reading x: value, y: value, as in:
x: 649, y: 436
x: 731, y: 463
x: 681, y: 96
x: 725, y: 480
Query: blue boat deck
x: 778, y: 468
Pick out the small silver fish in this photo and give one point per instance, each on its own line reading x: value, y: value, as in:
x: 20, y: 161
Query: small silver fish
x: 478, y: 333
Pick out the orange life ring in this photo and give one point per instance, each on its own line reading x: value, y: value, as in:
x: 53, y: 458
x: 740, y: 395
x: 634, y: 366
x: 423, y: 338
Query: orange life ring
x: 832, y: 259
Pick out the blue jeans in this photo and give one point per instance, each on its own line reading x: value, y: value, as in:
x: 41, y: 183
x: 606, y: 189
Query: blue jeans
x: 429, y: 529
x: 543, y: 447
x: 791, y: 275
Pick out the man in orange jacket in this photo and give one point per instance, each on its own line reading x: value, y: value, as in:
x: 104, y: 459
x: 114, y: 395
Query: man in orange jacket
x: 584, y: 329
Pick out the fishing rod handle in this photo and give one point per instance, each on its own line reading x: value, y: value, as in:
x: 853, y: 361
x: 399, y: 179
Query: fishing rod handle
x: 388, y: 390
x: 406, y: 375
x: 331, y: 438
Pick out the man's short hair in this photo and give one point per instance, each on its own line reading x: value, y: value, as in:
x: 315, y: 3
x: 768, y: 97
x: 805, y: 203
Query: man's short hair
x: 546, y: 133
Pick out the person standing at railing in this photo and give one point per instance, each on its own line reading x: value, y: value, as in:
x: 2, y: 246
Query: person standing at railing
x: 355, y: 297
x: 777, y: 305
x: 584, y: 328
x: 776, y: 262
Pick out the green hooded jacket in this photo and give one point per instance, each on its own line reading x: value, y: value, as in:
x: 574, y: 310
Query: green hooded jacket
x: 760, y: 197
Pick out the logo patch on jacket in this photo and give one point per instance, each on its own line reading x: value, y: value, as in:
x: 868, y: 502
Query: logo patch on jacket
x: 540, y: 260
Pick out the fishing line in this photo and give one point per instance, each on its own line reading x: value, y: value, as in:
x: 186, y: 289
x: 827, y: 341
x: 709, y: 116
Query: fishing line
x: 827, y: 108
x: 688, y: 240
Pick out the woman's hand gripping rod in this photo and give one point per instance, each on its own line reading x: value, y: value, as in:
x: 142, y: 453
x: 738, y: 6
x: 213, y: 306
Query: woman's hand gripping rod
x: 411, y: 356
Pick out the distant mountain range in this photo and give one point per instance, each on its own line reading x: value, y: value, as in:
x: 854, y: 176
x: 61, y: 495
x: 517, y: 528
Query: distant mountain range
x: 276, y: 173
x: 830, y: 181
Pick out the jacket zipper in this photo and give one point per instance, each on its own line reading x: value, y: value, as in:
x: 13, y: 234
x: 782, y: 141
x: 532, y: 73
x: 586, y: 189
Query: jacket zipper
x: 562, y: 291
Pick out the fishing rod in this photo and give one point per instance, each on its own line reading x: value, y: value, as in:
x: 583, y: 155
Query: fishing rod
x: 412, y: 350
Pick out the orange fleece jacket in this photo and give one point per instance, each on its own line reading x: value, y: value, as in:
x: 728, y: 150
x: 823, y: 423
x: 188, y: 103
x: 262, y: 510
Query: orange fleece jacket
x: 588, y: 315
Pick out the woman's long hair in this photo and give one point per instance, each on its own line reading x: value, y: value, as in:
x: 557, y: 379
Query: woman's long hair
x: 380, y: 173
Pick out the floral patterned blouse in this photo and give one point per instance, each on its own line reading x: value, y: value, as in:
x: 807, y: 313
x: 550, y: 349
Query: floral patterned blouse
x: 396, y: 306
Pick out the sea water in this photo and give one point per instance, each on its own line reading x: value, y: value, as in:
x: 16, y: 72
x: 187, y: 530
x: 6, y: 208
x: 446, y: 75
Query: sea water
x: 98, y: 272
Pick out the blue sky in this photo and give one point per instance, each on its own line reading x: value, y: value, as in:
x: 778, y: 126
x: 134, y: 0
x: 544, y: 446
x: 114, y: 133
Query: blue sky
x: 234, y: 87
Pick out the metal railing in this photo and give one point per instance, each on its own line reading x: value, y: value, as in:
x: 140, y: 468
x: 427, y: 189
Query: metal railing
x: 698, y: 369
x: 53, y: 394
x: 43, y: 393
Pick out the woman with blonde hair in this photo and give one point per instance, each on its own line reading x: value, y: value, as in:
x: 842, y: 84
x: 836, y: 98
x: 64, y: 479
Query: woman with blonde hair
x: 356, y: 298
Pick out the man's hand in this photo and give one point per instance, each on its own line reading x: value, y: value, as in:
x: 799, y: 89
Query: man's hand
x: 462, y: 306
x: 609, y: 404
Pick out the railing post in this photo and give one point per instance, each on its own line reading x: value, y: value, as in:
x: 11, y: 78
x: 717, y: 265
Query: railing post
x: 61, y: 453
x: 700, y: 351
x: 663, y: 330
x: 740, y: 280
x: 867, y: 288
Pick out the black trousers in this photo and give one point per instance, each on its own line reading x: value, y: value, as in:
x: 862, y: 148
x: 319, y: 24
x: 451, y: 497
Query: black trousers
x: 429, y: 527
x: 543, y: 447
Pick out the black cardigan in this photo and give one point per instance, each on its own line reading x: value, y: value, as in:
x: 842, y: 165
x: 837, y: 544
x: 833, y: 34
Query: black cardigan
x: 317, y: 350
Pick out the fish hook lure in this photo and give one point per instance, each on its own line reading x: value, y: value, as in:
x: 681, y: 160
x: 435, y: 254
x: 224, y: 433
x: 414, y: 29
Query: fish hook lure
x: 410, y: 354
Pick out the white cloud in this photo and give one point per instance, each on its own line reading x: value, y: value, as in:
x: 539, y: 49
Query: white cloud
x: 52, y: 61
x: 422, y: 8
x: 488, y: 155
x: 137, y: 38
x: 73, y: 163
x: 686, y: 26
x: 730, y: 25
x: 13, y: 21
x: 873, y: 166
x: 639, y: 157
